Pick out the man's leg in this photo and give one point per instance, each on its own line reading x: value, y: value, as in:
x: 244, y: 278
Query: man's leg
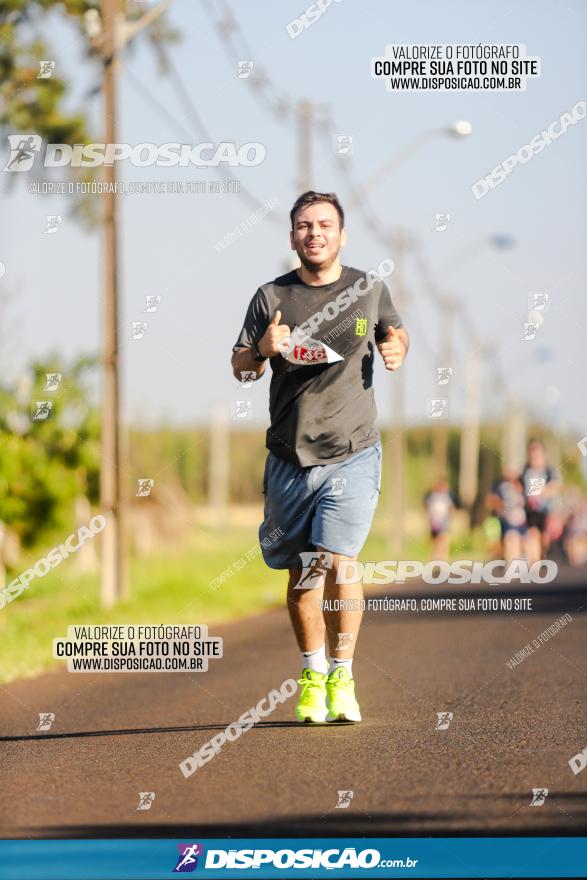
x: 308, y: 625
x: 440, y: 547
x: 512, y: 545
x: 342, y: 615
x: 533, y: 545
x: 347, y: 496
x: 305, y: 613
x: 343, y: 618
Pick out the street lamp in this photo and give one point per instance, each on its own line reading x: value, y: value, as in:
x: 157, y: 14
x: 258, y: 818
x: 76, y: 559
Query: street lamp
x: 460, y: 128
x: 471, y: 431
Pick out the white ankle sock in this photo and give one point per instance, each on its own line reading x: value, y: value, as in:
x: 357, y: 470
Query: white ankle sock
x: 315, y: 660
x: 335, y: 663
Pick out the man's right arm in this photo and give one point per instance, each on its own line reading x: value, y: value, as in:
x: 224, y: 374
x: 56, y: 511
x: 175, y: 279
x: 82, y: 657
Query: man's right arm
x: 243, y: 360
x: 274, y: 341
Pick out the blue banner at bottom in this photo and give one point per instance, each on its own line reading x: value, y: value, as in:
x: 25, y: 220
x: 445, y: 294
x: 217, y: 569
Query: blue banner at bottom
x: 333, y: 857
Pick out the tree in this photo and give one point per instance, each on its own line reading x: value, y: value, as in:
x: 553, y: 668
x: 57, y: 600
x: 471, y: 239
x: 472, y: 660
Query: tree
x: 47, y: 463
x: 30, y: 104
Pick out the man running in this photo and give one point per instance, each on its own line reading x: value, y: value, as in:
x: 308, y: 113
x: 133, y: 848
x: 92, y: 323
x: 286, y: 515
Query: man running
x: 318, y: 326
x: 508, y: 502
x: 541, y: 484
x: 440, y: 503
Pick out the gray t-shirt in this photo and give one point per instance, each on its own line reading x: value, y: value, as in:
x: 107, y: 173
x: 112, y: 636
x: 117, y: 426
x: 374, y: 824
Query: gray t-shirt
x: 323, y: 412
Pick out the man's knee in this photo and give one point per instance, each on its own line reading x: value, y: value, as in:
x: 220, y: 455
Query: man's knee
x: 344, y: 570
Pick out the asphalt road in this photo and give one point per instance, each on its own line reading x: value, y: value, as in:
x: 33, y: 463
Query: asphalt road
x: 512, y: 730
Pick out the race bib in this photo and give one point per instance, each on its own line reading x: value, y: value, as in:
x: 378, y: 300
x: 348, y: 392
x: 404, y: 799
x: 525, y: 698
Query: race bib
x: 305, y: 351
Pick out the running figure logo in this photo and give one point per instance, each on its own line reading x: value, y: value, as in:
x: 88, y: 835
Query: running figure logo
x: 46, y: 719
x: 344, y: 799
x: 314, y: 566
x: 53, y: 222
x: 145, y: 486
x: 245, y: 69
x: 344, y: 145
x: 443, y: 375
x: 146, y: 799
x: 138, y: 329
x: 436, y: 407
x: 22, y: 151
x: 530, y: 328
x: 338, y: 484
x: 188, y: 857
x: 52, y: 381
x: 441, y: 222
x: 537, y: 484
x: 152, y: 303
x: 344, y: 641
x: 539, y: 795
x: 46, y: 69
x: 538, y: 301
x: 242, y: 409
x: 42, y: 411
x: 444, y: 719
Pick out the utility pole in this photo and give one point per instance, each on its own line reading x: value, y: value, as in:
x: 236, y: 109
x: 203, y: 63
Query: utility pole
x: 304, y: 125
x: 219, y: 466
x: 470, y: 434
x: 114, y: 574
x: 514, y: 436
x: 111, y: 35
x: 441, y: 432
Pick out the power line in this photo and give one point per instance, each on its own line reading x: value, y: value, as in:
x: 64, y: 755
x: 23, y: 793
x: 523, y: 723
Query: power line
x: 156, y: 105
x: 282, y: 108
x: 185, y: 100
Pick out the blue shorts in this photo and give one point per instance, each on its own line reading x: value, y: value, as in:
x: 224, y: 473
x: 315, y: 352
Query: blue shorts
x: 507, y: 526
x: 329, y: 506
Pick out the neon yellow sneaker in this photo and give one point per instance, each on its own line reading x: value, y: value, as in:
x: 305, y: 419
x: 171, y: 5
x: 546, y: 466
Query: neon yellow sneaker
x: 311, y: 707
x: 340, y: 696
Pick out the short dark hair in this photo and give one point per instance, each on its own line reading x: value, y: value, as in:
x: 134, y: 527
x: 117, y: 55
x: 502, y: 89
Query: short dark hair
x: 312, y: 198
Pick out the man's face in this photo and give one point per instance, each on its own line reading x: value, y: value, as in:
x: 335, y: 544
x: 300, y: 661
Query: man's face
x: 317, y: 237
x: 536, y: 456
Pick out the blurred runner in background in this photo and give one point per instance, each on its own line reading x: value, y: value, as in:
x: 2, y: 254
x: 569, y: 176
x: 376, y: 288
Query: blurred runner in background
x: 541, y: 484
x: 440, y: 502
x: 508, y: 503
x: 575, y: 532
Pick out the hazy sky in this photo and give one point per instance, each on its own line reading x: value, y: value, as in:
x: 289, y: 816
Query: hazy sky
x: 180, y: 369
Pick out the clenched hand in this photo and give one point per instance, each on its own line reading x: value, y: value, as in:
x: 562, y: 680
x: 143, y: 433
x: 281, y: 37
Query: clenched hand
x: 275, y: 340
x: 392, y: 350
